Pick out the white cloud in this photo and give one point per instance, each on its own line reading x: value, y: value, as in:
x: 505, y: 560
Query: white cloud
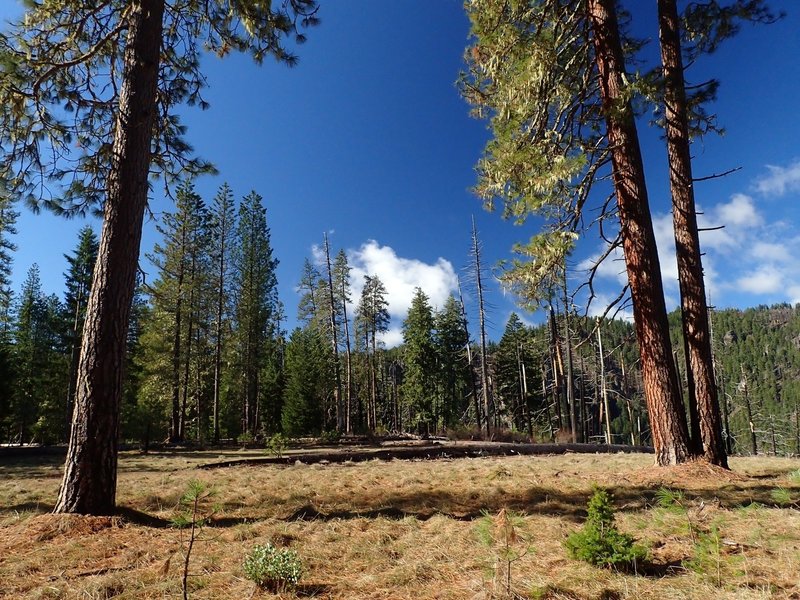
x: 779, y: 180
x: 665, y: 241
x: 764, y: 280
x: 401, y: 276
x: 392, y: 337
x: 771, y: 252
x: 740, y: 212
x: 613, y: 267
x: 794, y: 294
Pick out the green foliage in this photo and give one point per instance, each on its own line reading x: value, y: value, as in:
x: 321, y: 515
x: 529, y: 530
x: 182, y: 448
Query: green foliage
x: 781, y: 496
x: 600, y: 543
x: 193, y: 513
x: 330, y: 436
x: 63, y: 69
x: 276, y: 569
x: 709, y: 558
x: 420, y: 361
x: 308, y: 380
x: 277, y: 444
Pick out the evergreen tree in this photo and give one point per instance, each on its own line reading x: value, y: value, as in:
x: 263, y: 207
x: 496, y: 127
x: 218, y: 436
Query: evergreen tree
x: 36, y: 405
x: 8, y: 220
x: 342, y: 294
x: 221, y: 232
x: 513, y: 362
x: 450, y: 338
x: 257, y: 308
x: 78, y: 283
x: 308, y: 381
x: 372, y: 319
x: 420, y: 362
x: 176, y: 296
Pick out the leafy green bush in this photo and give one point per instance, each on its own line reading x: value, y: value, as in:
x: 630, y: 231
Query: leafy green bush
x: 600, y: 542
x: 276, y: 569
x: 331, y: 436
x: 277, y: 445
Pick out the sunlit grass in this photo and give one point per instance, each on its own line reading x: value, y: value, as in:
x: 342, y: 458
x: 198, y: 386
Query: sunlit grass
x: 401, y: 529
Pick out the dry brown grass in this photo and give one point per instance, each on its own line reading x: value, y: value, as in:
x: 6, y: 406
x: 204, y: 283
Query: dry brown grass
x: 401, y: 529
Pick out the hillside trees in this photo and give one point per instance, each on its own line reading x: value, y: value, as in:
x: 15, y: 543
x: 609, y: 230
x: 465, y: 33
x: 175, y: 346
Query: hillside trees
x: 62, y: 123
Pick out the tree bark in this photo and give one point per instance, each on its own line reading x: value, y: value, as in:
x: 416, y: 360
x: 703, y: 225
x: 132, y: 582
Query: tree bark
x: 694, y: 310
x: 90, y: 474
x: 667, y: 421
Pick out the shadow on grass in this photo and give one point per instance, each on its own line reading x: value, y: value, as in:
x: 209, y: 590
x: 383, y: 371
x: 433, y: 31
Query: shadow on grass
x: 426, y: 504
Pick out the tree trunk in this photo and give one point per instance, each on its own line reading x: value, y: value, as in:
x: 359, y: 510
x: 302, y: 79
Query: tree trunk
x: 574, y: 418
x: 175, y: 426
x: 482, y: 325
x: 667, y: 421
x: 338, y: 400
x: 90, y: 474
x: 603, y: 387
x: 74, y: 357
x: 694, y: 310
x: 749, y: 409
x: 348, y: 362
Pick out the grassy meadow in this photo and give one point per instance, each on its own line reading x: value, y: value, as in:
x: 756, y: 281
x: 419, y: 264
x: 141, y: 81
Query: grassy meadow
x: 406, y: 529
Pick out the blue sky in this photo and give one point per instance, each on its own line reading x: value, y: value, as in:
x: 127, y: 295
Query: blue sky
x: 367, y: 139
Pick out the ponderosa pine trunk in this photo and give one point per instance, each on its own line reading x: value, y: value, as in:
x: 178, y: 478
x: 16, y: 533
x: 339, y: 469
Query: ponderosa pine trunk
x: 90, y: 474
x: 667, y: 420
x: 694, y: 310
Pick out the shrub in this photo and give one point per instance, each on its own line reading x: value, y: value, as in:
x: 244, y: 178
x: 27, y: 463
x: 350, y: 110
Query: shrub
x: 277, y: 445
x: 273, y: 568
x: 599, y: 542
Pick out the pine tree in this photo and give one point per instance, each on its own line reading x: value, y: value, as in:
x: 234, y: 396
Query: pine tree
x: 8, y: 219
x: 257, y: 308
x: 512, y: 364
x: 560, y: 110
x: 308, y: 380
x: 420, y: 362
x: 36, y: 406
x: 451, y: 339
x: 78, y: 282
x: 221, y: 233
x: 372, y: 319
x: 92, y: 88
x: 341, y: 286
x: 176, y: 295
